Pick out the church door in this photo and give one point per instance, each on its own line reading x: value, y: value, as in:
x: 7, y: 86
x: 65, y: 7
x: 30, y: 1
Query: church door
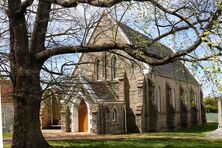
x: 83, y: 117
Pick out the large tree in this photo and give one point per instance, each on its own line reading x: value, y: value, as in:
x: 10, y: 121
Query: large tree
x: 29, y: 36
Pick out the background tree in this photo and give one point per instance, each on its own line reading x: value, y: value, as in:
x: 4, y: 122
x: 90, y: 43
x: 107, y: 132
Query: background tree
x: 29, y: 31
x: 211, y: 104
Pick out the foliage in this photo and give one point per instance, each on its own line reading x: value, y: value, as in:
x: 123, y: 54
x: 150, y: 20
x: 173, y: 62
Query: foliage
x: 211, y: 104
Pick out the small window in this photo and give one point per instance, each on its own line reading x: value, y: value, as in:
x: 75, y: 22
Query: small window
x: 3, y: 119
x: 158, y: 98
x: 182, y: 95
x: 174, y: 98
x: 192, y: 97
x: 105, y: 65
x: 114, y: 115
x: 186, y: 97
x: 195, y: 98
x: 114, y: 67
x: 97, y: 69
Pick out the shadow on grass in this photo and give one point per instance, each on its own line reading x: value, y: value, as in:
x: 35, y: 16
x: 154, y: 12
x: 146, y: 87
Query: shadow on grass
x: 138, y: 143
x: 198, y: 128
x: 196, y: 131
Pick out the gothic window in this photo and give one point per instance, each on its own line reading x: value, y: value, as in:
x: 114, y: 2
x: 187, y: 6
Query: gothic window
x: 192, y: 97
x: 182, y: 95
x: 158, y: 98
x: 3, y: 119
x: 105, y: 65
x: 114, y: 67
x: 97, y: 69
x: 168, y: 93
x: 174, y: 98
x: 195, y: 98
x: 186, y: 97
x: 114, y: 115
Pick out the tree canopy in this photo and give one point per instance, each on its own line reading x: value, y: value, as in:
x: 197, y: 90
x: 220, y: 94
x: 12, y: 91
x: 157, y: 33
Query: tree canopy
x: 211, y: 104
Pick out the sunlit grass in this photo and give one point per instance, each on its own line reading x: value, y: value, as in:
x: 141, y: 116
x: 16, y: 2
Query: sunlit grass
x: 172, y: 139
x: 7, y: 134
x: 138, y: 143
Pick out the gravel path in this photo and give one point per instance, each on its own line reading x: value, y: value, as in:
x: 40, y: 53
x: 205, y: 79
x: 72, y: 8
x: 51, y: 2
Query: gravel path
x: 217, y: 134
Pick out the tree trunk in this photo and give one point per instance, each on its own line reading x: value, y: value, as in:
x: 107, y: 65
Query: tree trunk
x: 27, y: 98
x: 25, y: 73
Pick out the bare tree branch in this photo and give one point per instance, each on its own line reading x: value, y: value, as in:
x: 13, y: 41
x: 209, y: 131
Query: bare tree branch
x: 80, y: 49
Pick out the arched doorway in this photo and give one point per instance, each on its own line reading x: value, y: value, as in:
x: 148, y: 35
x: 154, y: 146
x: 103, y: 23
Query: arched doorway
x: 83, y: 116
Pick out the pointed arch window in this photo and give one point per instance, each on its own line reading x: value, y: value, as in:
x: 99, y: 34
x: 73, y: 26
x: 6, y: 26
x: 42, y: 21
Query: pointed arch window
x: 105, y: 65
x: 174, y: 97
x: 186, y: 97
x: 97, y: 69
x: 114, y: 67
x: 158, y: 98
x: 3, y: 119
x: 182, y: 95
x: 114, y: 115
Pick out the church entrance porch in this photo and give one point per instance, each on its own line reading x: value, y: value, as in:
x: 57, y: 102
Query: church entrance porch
x: 80, y: 116
x: 83, y: 117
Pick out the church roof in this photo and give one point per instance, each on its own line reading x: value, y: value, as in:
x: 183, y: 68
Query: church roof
x: 93, y: 91
x: 176, y: 70
x: 103, y: 90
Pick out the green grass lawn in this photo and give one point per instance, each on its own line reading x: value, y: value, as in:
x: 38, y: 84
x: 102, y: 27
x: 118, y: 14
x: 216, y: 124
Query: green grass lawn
x: 176, y: 139
x: 7, y: 134
x: 139, y: 143
x: 136, y: 143
x: 195, y: 131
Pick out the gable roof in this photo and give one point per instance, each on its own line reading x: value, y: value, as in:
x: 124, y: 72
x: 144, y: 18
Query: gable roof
x: 92, y: 91
x: 176, y: 70
x: 103, y: 90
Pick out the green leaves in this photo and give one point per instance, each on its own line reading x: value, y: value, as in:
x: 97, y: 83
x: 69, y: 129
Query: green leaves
x: 211, y: 104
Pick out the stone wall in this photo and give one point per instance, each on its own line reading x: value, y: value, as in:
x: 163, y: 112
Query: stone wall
x: 131, y: 88
x: 111, y: 123
x: 50, y: 113
x: 160, y: 81
x: 130, y: 92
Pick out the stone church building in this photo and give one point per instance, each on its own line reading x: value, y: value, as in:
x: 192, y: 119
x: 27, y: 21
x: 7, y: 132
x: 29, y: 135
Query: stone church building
x: 113, y: 93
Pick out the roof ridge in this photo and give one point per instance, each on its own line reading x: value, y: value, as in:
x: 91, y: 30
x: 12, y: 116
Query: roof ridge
x: 166, y: 50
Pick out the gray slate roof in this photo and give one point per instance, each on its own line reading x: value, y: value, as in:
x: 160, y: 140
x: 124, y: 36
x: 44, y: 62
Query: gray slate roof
x: 93, y: 91
x: 103, y: 90
x: 176, y: 70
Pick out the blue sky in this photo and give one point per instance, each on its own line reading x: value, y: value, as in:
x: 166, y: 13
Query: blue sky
x: 135, y: 17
